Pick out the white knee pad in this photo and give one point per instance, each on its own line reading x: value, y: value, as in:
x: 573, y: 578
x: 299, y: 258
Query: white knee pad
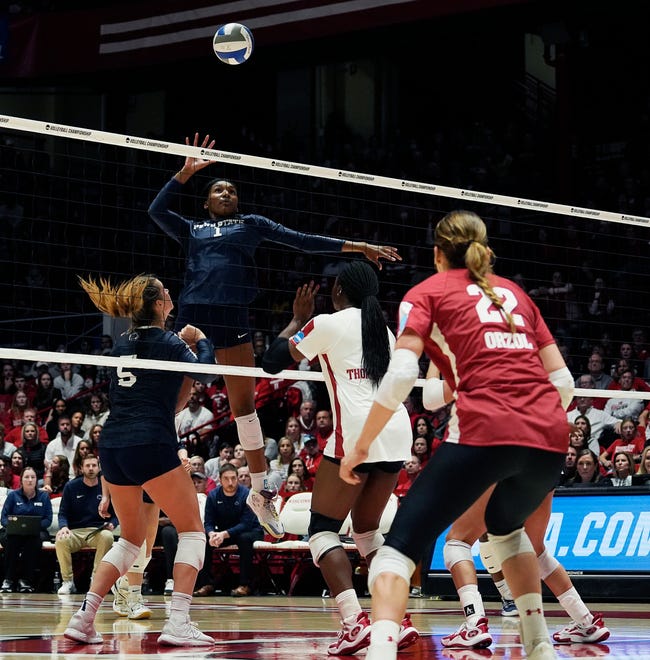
x: 510, y: 545
x: 141, y: 560
x: 321, y: 543
x: 455, y: 551
x: 122, y: 555
x: 547, y: 564
x: 368, y: 542
x: 191, y: 549
x: 389, y: 560
x: 249, y: 431
x: 491, y: 563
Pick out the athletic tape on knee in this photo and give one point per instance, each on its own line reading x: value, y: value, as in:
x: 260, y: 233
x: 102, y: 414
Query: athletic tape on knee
x: 368, y: 542
x: 491, y: 563
x: 141, y: 561
x: 249, y: 431
x: 321, y: 543
x: 191, y: 549
x: 455, y: 551
x: 122, y: 555
x: 389, y: 560
x: 547, y: 564
x: 510, y: 545
x: 398, y: 381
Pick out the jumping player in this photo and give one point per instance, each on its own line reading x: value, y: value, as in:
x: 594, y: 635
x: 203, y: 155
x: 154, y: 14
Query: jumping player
x: 220, y: 283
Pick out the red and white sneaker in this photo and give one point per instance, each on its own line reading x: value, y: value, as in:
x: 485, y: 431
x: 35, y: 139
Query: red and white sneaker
x: 595, y: 632
x: 354, y: 636
x: 469, y: 637
x: 408, y: 634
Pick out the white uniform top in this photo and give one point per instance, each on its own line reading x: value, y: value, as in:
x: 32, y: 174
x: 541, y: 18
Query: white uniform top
x: 336, y: 339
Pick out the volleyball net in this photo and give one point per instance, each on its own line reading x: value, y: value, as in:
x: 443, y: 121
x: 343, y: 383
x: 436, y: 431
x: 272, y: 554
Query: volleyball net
x: 74, y: 200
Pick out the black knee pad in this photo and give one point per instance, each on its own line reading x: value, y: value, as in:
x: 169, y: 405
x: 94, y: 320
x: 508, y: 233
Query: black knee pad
x: 320, y: 523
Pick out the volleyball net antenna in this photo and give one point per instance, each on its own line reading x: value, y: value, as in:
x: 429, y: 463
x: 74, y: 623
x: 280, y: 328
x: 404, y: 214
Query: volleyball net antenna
x: 73, y: 201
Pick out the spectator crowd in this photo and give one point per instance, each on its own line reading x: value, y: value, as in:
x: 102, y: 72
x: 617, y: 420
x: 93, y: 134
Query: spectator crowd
x: 51, y: 417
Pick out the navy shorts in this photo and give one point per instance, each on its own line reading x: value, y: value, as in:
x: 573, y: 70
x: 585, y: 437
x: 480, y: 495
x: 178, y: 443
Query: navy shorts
x: 223, y: 325
x: 135, y: 465
x: 390, y: 467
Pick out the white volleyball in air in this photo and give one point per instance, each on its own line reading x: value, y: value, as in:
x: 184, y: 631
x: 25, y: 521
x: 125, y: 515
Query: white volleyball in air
x: 233, y: 43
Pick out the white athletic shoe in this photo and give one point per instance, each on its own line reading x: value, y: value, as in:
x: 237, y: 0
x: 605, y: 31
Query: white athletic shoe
x: 408, y: 633
x: 185, y: 634
x: 353, y: 636
x: 82, y: 631
x: 137, y: 608
x: 543, y: 651
x: 470, y: 637
x: 120, y: 596
x: 169, y: 587
x: 263, y: 506
x: 67, y: 588
x: 575, y: 633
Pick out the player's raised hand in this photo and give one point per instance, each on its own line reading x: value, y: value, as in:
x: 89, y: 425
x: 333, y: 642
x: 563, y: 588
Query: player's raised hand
x: 193, y: 164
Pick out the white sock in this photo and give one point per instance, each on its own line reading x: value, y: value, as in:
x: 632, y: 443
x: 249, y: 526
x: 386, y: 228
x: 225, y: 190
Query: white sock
x: 90, y: 605
x: 504, y: 590
x: 383, y: 640
x: 348, y: 604
x: 574, y: 606
x: 531, y: 619
x: 179, y: 607
x: 472, y: 603
x: 257, y: 480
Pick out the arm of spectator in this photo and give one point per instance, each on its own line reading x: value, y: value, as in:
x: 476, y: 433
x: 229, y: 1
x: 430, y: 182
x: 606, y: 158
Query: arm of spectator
x: 611, y: 421
x: 216, y: 539
x: 47, y: 481
x: 46, y: 517
x: 604, y: 459
x: 565, y: 288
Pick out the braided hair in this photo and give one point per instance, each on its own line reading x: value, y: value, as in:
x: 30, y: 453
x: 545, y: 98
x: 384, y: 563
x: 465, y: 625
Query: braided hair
x: 462, y: 237
x: 360, y: 284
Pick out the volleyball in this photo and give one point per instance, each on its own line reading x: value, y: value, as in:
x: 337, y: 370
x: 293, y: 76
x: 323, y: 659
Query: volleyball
x: 233, y: 43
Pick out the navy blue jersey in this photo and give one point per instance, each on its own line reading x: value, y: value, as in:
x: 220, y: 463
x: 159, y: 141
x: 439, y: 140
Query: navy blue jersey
x: 221, y: 251
x: 79, y: 504
x: 18, y: 504
x: 229, y: 513
x: 143, y: 401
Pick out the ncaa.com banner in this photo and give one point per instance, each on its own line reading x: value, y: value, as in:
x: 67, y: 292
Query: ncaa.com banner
x: 596, y: 533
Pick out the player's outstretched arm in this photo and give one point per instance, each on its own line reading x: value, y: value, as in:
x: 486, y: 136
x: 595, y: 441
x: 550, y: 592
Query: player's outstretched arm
x: 372, y: 252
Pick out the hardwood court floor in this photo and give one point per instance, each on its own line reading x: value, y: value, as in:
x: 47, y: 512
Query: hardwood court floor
x: 285, y: 628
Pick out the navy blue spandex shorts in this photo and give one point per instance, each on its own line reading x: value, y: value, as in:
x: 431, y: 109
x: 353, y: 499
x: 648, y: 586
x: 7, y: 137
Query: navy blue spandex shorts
x: 135, y: 465
x: 223, y: 325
